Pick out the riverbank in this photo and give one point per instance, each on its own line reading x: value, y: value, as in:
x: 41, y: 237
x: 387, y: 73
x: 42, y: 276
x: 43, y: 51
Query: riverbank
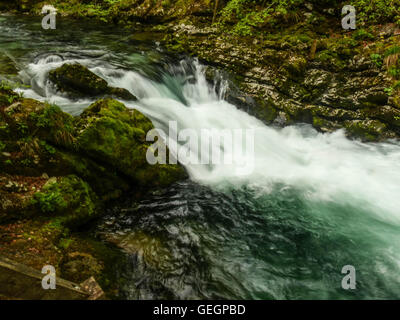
x: 285, y: 67
x: 59, y: 172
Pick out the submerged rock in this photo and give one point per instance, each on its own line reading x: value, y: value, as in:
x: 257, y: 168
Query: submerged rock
x: 77, y: 81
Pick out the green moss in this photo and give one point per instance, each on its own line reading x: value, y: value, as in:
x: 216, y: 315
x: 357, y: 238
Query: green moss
x: 362, y: 34
x: 69, y: 197
x: 377, y: 59
x: 296, y: 66
x: 50, y: 201
x: 7, y: 95
x: 117, y: 135
x: 78, y: 80
x: 367, y: 130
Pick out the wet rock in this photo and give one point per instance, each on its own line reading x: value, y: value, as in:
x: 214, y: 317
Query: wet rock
x: 77, y: 81
x: 368, y: 130
x: 107, y: 130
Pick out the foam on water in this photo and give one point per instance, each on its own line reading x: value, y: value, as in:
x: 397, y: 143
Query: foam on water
x: 326, y: 167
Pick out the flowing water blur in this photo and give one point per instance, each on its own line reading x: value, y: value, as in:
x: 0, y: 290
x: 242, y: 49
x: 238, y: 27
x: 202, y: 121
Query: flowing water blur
x: 313, y: 204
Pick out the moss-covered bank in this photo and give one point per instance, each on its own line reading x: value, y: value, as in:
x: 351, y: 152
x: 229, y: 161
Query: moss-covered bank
x: 57, y: 172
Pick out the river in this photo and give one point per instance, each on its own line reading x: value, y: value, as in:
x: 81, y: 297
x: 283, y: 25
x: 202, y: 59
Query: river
x: 313, y: 204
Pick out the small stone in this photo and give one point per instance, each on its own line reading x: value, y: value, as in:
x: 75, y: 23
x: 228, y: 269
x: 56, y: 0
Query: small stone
x: 6, y: 154
x: 51, y: 181
x: 309, y: 6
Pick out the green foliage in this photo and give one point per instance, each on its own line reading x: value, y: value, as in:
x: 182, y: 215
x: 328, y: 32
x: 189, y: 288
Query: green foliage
x: 68, y: 197
x: 7, y: 93
x: 362, y: 34
x: 51, y: 201
x: 394, y: 72
x: 376, y: 11
x: 377, y: 59
x: 391, y: 90
x: 392, y: 55
x: 246, y: 16
x: 49, y: 149
x: 26, y: 162
x: 64, y: 243
x: 392, y: 51
x: 5, y: 85
x: 54, y: 123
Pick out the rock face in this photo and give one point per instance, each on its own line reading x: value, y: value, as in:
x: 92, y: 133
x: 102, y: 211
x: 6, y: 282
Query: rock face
x: 78, y: 82
x: 277, y: 80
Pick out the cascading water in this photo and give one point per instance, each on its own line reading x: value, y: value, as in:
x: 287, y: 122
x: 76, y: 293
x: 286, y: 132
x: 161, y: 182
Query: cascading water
x: 313, y: 203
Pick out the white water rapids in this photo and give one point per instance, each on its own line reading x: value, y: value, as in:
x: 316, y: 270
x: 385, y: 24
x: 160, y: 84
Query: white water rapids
x: 327, y: 167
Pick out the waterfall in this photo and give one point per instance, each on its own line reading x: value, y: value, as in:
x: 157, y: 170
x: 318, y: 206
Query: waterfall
x: 326, y: 167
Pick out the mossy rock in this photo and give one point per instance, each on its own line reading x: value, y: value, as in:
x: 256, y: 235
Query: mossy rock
x: 367, y: 130
x: 69, y: 197
x: 78, y: 81
x: 27, y: 117
x: 295, y: 66
x: 105, y: 181
x: 109, y: 131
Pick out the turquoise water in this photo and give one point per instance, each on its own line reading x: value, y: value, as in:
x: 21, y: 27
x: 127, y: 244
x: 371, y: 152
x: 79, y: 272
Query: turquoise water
x: 313, y: 203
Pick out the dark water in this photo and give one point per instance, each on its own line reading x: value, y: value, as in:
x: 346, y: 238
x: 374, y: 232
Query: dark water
x: 314, y: 203
x: 191, y: 242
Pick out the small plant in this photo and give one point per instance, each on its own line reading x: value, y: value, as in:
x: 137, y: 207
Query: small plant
x: 49, y: 149
x: 26, y: 162
x: 49, y: 202
x: 363, y: 35
x: 389, y: 91
x: 23, y: 128
x: 65, y: 243
x: 377, y: 59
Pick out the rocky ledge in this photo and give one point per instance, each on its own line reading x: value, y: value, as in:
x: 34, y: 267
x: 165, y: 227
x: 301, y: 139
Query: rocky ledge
x: 342, y: 80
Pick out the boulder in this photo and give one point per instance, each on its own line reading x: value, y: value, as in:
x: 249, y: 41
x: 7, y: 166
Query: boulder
x: 78, y: 81
x: 109, y: 131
